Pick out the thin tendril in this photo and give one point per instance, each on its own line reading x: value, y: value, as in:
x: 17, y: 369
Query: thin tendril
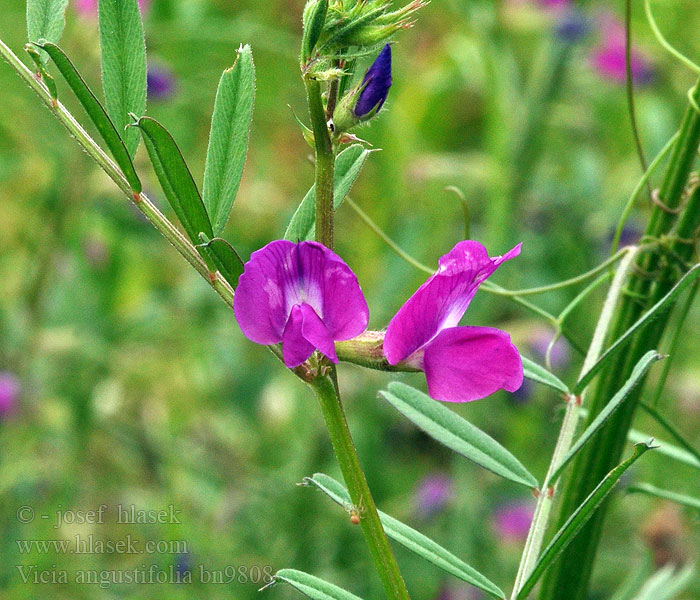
x: 629, y: 83
x: 662, y: 40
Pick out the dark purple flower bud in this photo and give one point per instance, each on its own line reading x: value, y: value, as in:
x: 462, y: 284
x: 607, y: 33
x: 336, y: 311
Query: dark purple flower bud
x: 375, y: 84
x: 161, y: 84
x: 523, y: 394
x: 9, y: 393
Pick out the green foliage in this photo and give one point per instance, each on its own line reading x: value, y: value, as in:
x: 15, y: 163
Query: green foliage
x: 123, y: 51
x: 175, y: 178
x: 228, y: 140
x: 96, y: 112
x: 451, y: 430
x: 46, y: 20
x: 312, y: 586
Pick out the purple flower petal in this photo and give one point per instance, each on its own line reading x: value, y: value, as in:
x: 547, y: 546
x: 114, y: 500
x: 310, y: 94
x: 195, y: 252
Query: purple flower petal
x: 467, y: 363
x: 302, y: 295
x: 295, y: 347
x: 442, y: 300
x: 378, y: 81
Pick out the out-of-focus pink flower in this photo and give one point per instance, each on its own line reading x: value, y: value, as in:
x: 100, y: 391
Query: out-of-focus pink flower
x: 9, y: 394
x: 511, y: 522
x: 161, y: 83
x: 608, y: 58
x: 433, y: 494
x: 88, y: 8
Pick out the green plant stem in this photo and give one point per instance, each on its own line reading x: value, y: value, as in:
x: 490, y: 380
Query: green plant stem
x: 325, y: 164
x: 157, y: 219
x: 382, y: 555
x: 569, y: 576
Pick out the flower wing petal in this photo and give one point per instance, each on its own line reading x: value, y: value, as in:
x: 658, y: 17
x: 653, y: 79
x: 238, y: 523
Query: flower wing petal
x: 261, y: 299
x: 467, y: 363
x: 442, y: 300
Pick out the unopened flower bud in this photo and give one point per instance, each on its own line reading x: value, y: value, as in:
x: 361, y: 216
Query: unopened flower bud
x: 365, y: 101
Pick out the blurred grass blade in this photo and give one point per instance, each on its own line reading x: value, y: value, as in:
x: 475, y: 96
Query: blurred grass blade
x: 635, y: 580
x: 95, y: 111
x: 175, y: 179
x: 665, y: 448
x: 313, y: 587
x: 655, y: 311
x: 411, y: 539
x: 578, y: 519
x: 451, y: 430
x: 224, y: 256
x: 123, y: 51
x: 666, y: 583
x: 228, y: 140
x: 45, y: 20
x: 651, y: 490
x: 638, y: 373
x: 670, y: 429
x: 535, y: 372
x: 348, y: 165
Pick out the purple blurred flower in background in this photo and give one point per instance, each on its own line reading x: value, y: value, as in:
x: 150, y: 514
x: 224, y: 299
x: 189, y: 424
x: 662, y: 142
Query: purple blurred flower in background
x: 433, y: 493
x: 571, y: 27
x: 523, y: 393
x: 161, y: 83
x: 376, y: 82
x: 460, y: 363
x: 9, y: 394
x: 511, y: 521
x: 88, y: 8
x: 302, y: 295
x: 539, y: 341
x: 459, y: 591
x: 608, y: 58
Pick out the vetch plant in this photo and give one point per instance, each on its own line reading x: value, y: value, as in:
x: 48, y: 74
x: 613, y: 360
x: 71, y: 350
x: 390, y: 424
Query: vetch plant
x: 302, y: 300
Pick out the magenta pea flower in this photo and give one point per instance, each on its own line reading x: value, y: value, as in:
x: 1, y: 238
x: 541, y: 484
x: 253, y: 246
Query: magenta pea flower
x: 512, y: 521
x: 89, y: 7
x: 9, y: 394
x: 460, y: 363
x: 302, y: 295
x: 608, y: 58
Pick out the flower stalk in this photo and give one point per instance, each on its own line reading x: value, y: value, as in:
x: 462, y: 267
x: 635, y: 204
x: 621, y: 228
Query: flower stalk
x: 326, y: 391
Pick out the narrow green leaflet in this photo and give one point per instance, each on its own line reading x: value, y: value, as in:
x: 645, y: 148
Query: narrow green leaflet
x: 451, y: 430
x: 46, y: 20
x: 652, y: 490
x: 533, y: 371
x: 666, y: 448
x: 175, y: 179
x: 579, y: 518
x: 411, y: 539
x: 123, y: 64
x: 314, y: 19
x: 666, y: 583
x: 348, y: 165
x: 96, y: 112
x: 313, y: 587
x: 224, y: 256
x: 655, y: 311
x: 228, y: 140
x: 638, y: 373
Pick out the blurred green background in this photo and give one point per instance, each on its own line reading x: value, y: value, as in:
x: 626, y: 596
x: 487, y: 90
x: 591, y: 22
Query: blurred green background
x: 137, y: 387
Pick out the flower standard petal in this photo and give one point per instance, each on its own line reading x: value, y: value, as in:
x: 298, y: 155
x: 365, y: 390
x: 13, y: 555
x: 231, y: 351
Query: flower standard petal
x: 467, y: 363
x: 442, y: 300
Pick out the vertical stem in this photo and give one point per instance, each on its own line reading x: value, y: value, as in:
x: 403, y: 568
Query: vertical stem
x: 360, y: 494
x: 325, y: 165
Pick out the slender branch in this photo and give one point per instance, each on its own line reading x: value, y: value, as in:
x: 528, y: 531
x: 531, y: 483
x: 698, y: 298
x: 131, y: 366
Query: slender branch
x: 325, y: 164
x: 157, y: 219
x: 332, y: 408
